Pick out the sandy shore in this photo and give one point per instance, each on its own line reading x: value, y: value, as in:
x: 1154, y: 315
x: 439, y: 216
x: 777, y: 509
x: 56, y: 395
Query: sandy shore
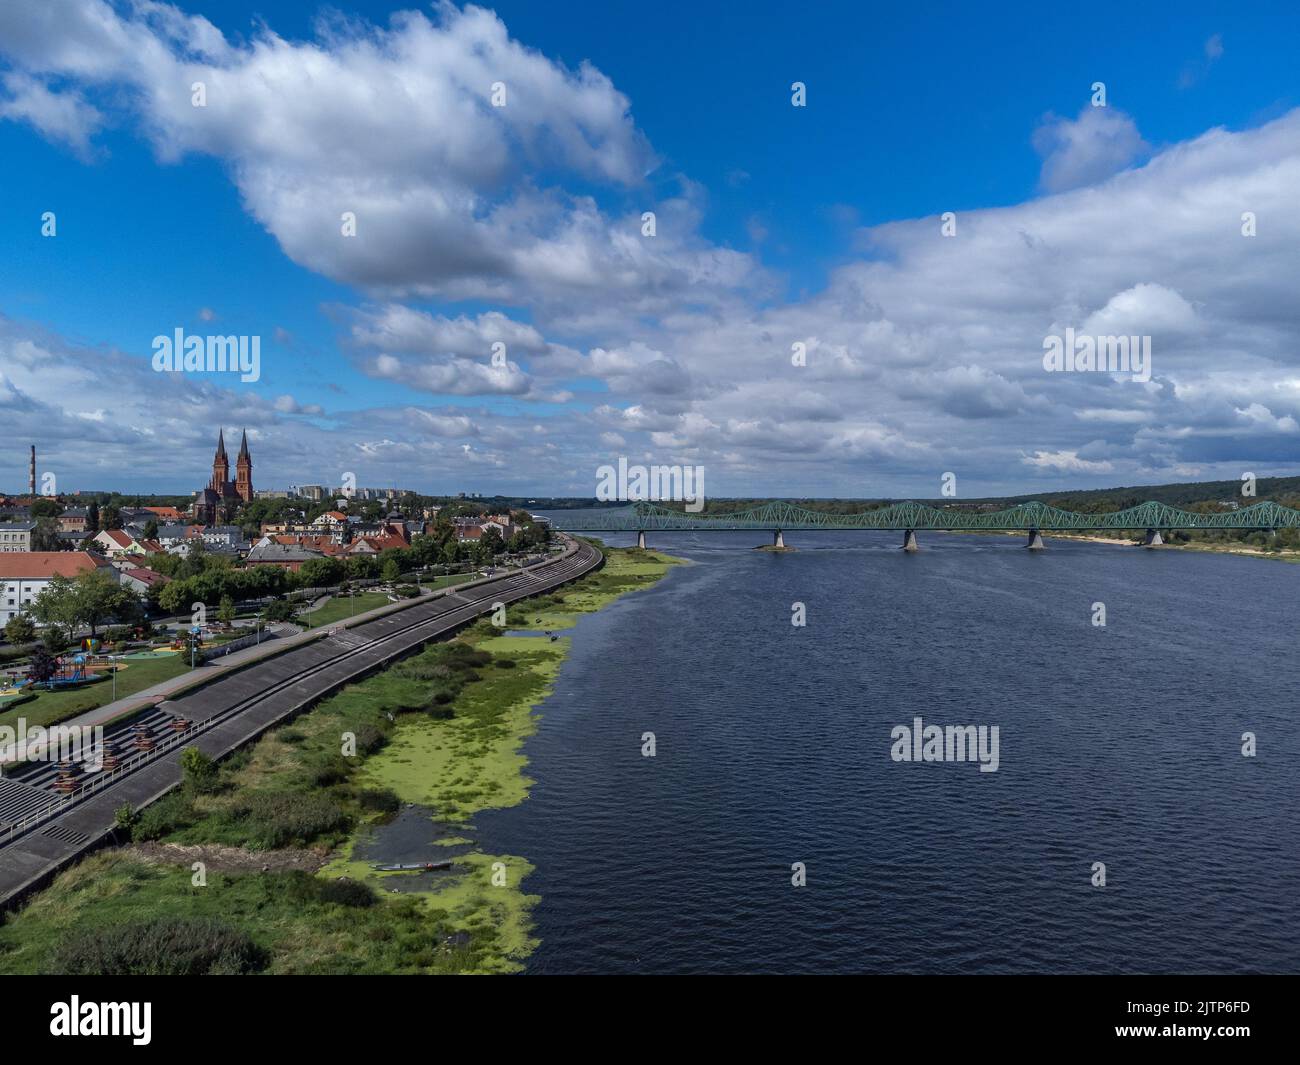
x: 1222, y: 549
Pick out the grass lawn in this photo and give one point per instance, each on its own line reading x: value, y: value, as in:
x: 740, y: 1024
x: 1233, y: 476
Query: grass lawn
x: 448, y: 580
x: 340, y: 608
x: 51, y: 707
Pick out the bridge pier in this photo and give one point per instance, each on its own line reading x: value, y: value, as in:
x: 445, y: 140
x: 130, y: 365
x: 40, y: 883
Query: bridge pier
x: 1036, y: 541
x: 778, y: 539
x: 909, y: 541
x: 640, y: 539
x: 1153, y: 538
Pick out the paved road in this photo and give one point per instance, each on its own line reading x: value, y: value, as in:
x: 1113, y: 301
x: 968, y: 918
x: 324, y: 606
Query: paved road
x: 241, y: 704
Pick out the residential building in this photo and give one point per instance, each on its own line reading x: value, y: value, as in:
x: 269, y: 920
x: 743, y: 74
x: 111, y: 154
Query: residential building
x: 16, y: 535
x: 171, y: 514
x: 140, y: 580
x: 73, y: 520
x: 117, y: 542
x: 287, y: 556
x: 23, y: 576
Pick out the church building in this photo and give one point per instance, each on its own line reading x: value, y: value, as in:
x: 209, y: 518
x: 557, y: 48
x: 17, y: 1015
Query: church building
x: 221, y: 492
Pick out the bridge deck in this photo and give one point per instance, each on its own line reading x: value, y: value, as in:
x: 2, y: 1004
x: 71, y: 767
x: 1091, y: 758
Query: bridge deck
x: 647, y: 517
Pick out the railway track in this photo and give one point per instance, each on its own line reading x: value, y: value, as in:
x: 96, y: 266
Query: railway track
x: 42, y: 829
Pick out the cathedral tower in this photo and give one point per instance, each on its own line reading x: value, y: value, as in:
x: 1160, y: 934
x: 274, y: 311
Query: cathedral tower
x: 244, y: 471
x: 220, y: 467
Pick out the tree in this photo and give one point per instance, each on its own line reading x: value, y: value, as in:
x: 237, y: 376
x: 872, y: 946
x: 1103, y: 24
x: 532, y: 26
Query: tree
x: 92, y: 517
x: 226, y: 610
x: 362, y: 566
x: 390, y: 570
x: 41, y: 665
x: 20, y: 629
x: 151, y: 529
x: 321, y: 573
x: 492, y: 542
x: 99, y: 597
x: 111, y: 518
x: 45, y: 537
x: 278, y: 610
x: 57, y: 603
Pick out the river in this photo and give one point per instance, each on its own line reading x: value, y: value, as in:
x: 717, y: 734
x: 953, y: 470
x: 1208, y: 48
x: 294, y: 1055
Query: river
x: 1119, y: 745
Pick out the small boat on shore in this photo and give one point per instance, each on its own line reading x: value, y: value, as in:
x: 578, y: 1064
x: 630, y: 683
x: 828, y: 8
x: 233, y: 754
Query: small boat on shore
x: 412, y: 867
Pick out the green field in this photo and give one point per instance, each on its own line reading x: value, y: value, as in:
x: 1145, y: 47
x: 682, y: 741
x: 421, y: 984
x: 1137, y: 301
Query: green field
x: 341, y: 608
x: 49, y: 708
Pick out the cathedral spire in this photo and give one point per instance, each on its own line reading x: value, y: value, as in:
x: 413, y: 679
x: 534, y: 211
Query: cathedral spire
x: 221, y: 444
x: 243, y: 446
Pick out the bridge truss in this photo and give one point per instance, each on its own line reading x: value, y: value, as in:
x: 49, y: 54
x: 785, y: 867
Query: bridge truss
x: 774, y: 517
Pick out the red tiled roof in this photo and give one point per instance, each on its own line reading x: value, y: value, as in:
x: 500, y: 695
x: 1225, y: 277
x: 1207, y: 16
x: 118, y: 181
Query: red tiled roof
x: 146, y: 576
x: 119, y: 537
x: 42, y: 565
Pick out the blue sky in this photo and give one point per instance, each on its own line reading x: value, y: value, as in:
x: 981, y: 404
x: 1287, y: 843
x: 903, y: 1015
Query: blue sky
x: 771, y: 214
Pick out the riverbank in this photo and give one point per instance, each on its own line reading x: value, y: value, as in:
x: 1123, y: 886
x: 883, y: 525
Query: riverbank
x: 1225, y: 548
x: 439, y: 733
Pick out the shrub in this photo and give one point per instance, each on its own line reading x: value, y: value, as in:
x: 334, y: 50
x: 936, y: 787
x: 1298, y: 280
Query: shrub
x: 347, y: 893
x: 506, y: 663
x: 164, y: 817
x: 369, y: 739
x: 327, y: 774
x: 276, y: 819
x: 171, y: 946
x: 383, y: 800
x: 198, y: 770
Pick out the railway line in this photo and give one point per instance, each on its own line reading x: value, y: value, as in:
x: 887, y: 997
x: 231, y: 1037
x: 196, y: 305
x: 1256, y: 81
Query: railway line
x: 51, y: 813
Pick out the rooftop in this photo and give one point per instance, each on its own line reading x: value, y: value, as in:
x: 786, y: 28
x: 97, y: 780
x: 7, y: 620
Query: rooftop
x: 42, y: 565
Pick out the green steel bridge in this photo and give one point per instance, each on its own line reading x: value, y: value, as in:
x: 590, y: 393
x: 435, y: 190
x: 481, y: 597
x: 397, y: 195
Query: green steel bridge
x: 1035, y: 518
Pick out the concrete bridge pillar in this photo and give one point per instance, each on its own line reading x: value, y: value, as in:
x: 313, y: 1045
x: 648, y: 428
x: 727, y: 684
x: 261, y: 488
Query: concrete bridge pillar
x: 1036, y: 541
x: 909, y: 541
x: 640, y: 539
x: 778, y: 539
x: 1153, y: 538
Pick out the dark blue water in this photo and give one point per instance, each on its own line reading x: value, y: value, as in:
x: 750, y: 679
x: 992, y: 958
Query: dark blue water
x: 1119, y: 745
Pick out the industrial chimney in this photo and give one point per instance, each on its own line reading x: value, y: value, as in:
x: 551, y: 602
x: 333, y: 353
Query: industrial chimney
x: 31, y: 474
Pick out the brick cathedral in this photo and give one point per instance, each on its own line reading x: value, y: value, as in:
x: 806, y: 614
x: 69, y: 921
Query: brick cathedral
x: 221, y: 492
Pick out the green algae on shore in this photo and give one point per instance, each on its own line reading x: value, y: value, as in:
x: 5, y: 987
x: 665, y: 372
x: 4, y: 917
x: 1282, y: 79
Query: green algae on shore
x: 473, y: 761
